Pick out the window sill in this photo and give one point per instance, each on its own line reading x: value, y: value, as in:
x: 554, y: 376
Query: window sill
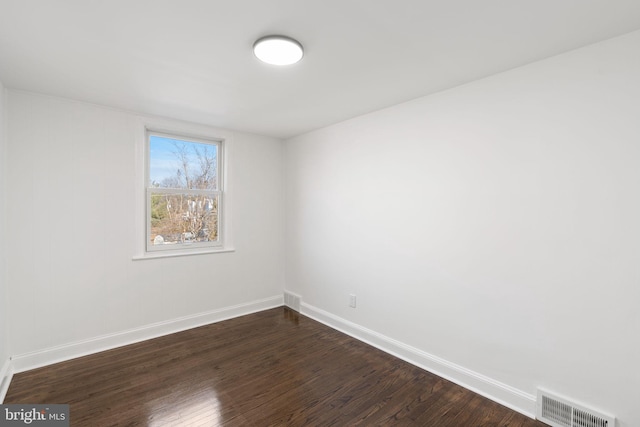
x: 172, y: 254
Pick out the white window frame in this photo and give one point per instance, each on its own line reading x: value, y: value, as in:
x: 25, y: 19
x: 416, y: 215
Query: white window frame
x: 218, y: 143
x: 188, y: 132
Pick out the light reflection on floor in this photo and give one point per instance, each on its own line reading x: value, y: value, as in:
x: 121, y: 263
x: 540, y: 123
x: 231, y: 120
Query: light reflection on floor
x: 199, y: 409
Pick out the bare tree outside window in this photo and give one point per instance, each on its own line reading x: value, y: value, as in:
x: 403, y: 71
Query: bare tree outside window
x: 183, y: 192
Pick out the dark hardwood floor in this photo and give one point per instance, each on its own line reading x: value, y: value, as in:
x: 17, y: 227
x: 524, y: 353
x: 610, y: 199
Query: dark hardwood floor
x: 273, y: 368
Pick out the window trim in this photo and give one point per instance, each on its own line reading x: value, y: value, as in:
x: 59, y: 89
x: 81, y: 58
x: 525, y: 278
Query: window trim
x: 219, y: 192
x: 188, y: 131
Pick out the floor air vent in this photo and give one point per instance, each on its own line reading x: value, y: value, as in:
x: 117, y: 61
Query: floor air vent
x: 292, y: 301
x: 559, y: 412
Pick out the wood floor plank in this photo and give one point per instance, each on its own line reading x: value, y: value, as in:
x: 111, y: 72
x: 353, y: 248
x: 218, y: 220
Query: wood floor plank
x: 273, y: 368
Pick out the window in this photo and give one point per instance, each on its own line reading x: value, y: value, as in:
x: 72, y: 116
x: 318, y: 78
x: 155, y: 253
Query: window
x: 183, y: 192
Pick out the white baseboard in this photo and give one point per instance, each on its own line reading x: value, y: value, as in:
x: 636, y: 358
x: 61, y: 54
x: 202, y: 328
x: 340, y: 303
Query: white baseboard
x: 504, y: 394
x: 48, y: 356
x: 6, y: 373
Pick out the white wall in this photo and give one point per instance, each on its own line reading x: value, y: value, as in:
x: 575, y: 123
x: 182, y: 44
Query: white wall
x: 494, y: 226
x: 71, y: 215
x: 4, y: 341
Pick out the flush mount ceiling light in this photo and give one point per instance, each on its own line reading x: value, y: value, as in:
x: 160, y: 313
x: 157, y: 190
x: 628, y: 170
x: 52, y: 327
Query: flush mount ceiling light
x: 278, y: 50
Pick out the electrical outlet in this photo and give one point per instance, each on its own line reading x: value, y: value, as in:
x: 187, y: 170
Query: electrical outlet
x: 352, y: 300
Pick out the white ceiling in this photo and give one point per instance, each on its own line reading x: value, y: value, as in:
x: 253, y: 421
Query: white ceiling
x: 192, y: 59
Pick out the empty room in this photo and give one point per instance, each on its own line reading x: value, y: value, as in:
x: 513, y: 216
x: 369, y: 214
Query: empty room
x: 299, y: 213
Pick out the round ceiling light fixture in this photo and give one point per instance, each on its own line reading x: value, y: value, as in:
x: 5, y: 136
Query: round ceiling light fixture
x: 278, y: 50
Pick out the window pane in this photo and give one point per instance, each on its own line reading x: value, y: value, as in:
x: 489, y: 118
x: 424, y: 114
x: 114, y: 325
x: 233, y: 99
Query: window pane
x: 178, y: 218
x: 176, y: 163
